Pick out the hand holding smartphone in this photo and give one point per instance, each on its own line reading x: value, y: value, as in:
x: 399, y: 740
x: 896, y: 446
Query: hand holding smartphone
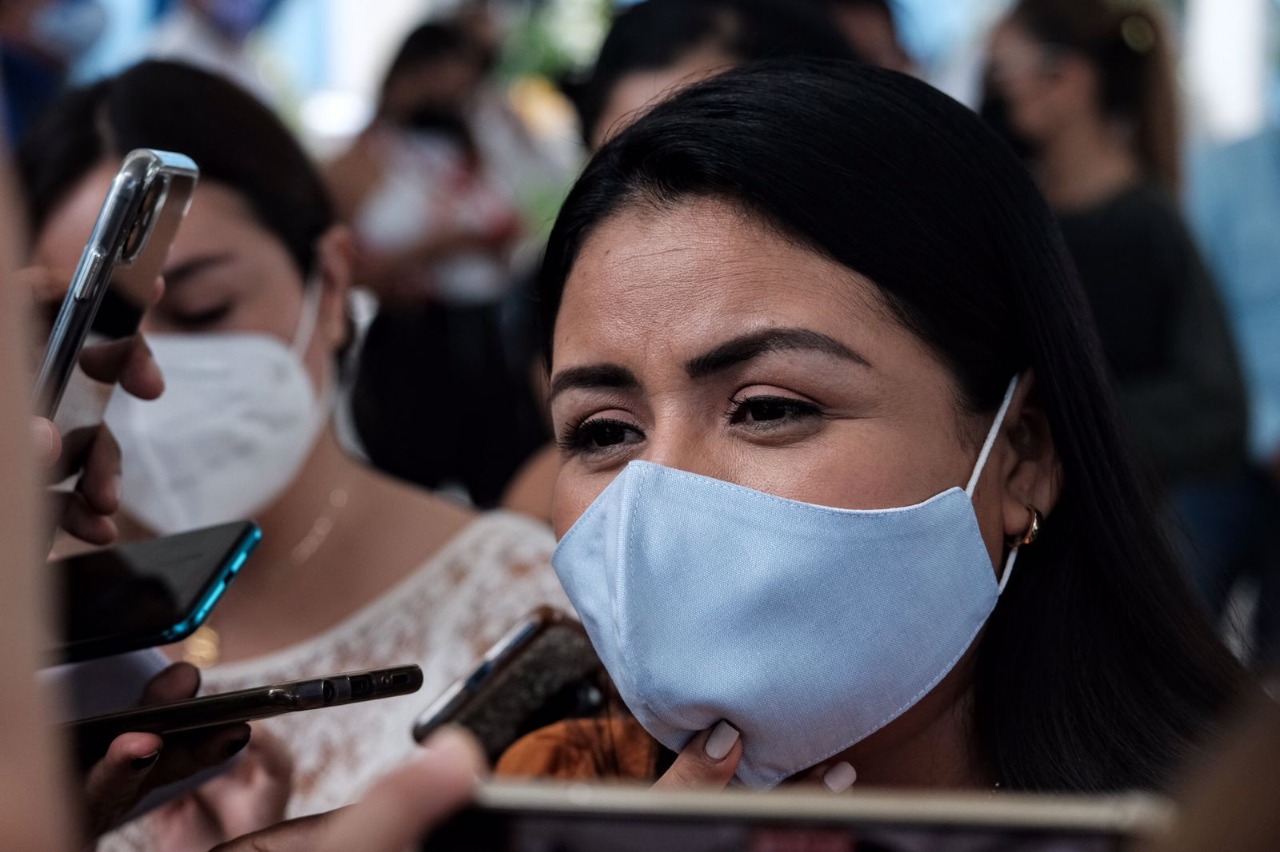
x: 542, y: 671
x: 115, y: 277
x: 92, y: 735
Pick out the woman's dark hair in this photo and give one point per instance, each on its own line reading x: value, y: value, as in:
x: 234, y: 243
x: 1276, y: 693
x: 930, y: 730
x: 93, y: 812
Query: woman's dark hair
x: 234, y: 139
x: 1128, y: 45
x: 428, y: 44
x: 657, y: 34
x: 1098, y: 670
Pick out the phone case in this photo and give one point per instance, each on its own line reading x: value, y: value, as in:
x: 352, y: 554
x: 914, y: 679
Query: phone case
x: 542, y: 671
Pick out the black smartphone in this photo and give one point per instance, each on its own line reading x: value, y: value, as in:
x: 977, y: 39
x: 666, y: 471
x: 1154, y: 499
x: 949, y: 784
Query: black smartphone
x: 543, y: 670
x: 94, y: 734
x: 110, y: 288
x: 146, y: 593
x: 583, y: 818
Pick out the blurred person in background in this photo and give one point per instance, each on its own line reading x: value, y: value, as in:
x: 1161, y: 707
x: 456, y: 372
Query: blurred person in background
x: 871, y: 28
x: 1234, y: 202
x: 355, y: 570
x: 40, y: 42
x: 658, y: 46
x: 215, y: 35
x: 435, y: 231
x: 1084, y: 91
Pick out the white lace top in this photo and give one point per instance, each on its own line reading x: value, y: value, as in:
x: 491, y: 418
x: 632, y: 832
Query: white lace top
x: 443, y: 617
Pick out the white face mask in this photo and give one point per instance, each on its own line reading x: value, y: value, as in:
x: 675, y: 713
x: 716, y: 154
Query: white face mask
x: 237, y: 420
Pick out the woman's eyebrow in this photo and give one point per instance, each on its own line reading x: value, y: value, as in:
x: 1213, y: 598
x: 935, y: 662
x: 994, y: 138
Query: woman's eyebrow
x: 177, y: 274
x: 748, y: 346
x: 591, y: 377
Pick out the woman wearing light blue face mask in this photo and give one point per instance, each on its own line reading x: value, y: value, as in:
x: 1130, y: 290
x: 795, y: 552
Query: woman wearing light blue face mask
x: 843, y: 492
x: 355, y: 570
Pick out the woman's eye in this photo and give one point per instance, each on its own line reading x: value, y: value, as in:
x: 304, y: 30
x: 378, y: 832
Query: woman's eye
x: 772, y: 410
x: 598, y: 436
x: 195, y: 320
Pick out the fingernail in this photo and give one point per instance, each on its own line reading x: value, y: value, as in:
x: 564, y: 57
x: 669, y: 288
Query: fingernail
x: 116, y: 489
x: 236, y: 746
x: 840, y: 777
x: 721, y: 741
x: 141, y: 764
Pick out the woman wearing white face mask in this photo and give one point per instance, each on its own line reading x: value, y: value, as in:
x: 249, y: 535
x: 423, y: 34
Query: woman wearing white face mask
x: 355, y: 570
x: 843, y: 491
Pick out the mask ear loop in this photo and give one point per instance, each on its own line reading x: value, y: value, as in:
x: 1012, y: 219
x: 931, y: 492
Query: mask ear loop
x: 982, y: 463
x: 311, y: 295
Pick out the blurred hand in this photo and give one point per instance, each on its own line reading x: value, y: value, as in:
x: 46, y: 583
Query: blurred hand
x: 251, y: 796
x: 395, y: 814
x: 137, y: 763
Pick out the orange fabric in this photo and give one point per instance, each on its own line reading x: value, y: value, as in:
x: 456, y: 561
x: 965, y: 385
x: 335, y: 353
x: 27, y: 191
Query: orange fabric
x: 613, y: 748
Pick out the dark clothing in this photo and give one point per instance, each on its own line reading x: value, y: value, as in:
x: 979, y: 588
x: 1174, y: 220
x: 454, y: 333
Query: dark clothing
x: 1164, y: 333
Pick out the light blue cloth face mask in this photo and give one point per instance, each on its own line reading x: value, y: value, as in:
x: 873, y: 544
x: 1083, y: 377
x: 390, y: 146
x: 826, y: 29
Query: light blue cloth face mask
x: 807, y: 628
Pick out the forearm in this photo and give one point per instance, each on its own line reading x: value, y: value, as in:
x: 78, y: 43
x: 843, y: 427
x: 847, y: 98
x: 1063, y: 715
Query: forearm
x: 35, y: 811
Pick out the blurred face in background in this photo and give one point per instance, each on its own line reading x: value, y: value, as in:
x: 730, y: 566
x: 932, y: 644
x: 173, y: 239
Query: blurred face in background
x: 872, y: 34
x: 444, y: 84
x: 225, y: 272
x: 1041, y: 90
x: 638, y: 91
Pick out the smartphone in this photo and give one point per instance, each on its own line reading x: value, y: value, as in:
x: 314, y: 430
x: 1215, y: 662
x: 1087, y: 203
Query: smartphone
x: 110, y: 289
x: 93, y: 735
x: 146, y: 593
x: 543, y: 670
x: 581, y: 818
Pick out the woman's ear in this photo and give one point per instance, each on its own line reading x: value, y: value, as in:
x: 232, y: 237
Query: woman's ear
x: 335, y: 255
x: 1034, y: 478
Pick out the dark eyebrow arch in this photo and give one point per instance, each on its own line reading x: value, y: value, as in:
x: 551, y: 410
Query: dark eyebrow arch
x: 592, y: 377
x: 174, y: 276
x: 742, y: 349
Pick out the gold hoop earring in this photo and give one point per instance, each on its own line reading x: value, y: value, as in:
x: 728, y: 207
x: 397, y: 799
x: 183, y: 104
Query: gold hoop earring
x: 1033, y: 529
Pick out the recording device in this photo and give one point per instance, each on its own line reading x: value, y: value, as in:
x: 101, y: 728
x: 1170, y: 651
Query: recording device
x: 110, y: 289
x: 542, y: 671
x: 585, y: 818
x: 146, y: 593
x: 94, y: 734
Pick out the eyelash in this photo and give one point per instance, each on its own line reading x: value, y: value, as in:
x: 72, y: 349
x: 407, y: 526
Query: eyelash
x: 793, y: 409
x: 202, y: 319
x: 580, y: 437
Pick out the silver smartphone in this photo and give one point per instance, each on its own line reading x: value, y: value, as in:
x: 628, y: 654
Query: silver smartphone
x: 620, y: 818
x: 110, y: 288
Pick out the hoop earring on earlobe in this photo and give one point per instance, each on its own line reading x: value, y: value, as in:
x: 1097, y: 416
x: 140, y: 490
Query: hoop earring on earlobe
x: 1033, y: 529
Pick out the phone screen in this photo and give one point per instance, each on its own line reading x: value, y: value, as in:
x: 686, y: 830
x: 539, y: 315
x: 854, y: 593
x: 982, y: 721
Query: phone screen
x: 148, y: 590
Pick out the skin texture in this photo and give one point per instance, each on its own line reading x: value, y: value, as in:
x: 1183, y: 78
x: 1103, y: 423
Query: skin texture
x: 878, y: 426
